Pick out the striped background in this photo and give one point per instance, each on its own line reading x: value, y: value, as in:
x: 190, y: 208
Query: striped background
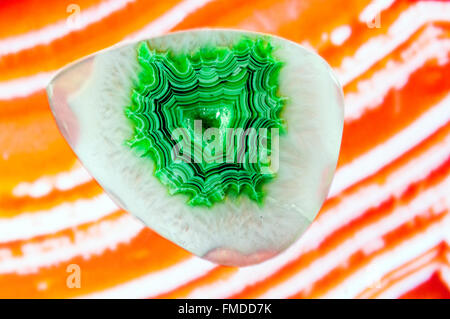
x: 383, y: 232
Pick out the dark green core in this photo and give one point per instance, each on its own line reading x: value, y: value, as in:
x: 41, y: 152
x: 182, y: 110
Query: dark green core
x: 223, y: 87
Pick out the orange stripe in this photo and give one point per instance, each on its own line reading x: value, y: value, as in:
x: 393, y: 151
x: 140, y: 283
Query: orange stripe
x: 401, y: 107
x: 294, y: 20
x: 359, y: 259
x: 146, y: 253
x: 433, y: 288
x: 340, y: 235
x: 12, y: 206
x: 400, y: 274
x: 397, y: 55
x: 33, y: 14
x: 360, y: 35
x: 13, y: 108
x: 36, y: 148
x: 214, y: 275
x: 80, y: 43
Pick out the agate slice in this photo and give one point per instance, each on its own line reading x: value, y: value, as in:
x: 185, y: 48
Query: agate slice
x: 224, y: 142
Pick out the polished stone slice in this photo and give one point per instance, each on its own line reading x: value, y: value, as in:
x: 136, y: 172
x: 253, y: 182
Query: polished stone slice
x: 89, y: 98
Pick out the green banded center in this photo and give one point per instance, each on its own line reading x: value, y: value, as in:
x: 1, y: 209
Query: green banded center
x: 225, y: 103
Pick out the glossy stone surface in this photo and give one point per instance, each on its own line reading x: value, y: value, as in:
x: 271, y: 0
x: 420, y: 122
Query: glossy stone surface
x: 89, y: 98
x: 209, y: 99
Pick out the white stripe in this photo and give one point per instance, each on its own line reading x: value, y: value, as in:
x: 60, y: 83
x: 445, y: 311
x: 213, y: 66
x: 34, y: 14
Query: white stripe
x: 29, y: 225
x: 250, y: 275
x: 24, y: 86
x: 381, y: 155
x: 340, y: 35
x: 410, y: 282
x: 28, y: 85
x: 85, y: 243
x: 351, y: 206
x: 400, y: 31
x: 62, y: 28
x: 157, y: 282
x: 392, y: 259
x: 412, y: 266
x: 371, y: 92
x: 374, y: 8
x: 61, y: 181
x: 370, y: 273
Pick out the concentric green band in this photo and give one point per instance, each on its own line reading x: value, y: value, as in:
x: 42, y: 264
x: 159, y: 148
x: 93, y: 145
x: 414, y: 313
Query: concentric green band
x: 224, y: 88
